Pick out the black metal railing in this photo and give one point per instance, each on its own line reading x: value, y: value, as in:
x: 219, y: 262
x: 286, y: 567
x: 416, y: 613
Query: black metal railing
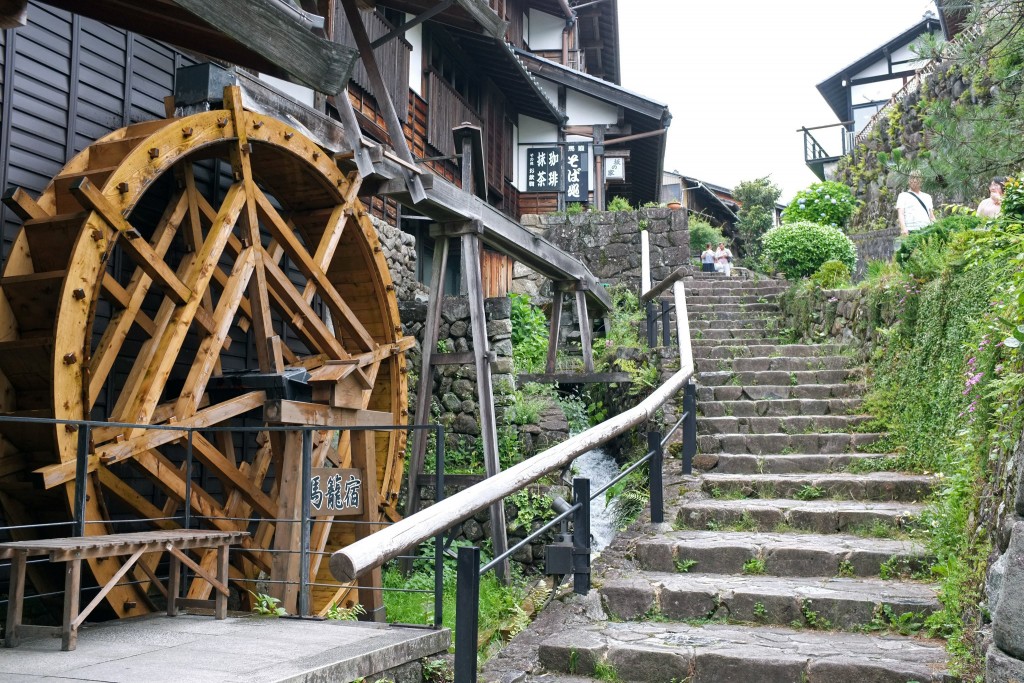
x: 189, y: 519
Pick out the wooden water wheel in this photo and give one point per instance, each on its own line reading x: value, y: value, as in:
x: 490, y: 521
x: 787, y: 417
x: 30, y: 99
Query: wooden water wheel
x: 164, y: 258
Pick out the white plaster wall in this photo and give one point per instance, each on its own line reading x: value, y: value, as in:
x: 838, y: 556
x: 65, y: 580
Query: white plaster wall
x: 415, y: 38
x: 584, y: 110
x: 545, y: 31
x: 872, y: 92
x: 299, y: 93
x: 879, y: 68
x: 550, y: 89
x: 533, y: 133
x: 905, y: 54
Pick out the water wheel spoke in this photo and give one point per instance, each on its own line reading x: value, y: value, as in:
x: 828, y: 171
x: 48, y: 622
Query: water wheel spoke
x: 286, y: 238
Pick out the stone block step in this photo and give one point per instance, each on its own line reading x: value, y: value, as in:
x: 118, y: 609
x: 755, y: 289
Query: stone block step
x: 779, y: 407
x: 817, y: 516
x: 734, y: 463
x: 726, y: 552
x: 712, y: 290
x: 770, y: 350
x: 818, y: 602
x: 715, y: 309
x: 724, y: 313
x: 722, y: 653
x: 763, y: 444
x: 699, y: 340
x: 750, y: 324
x: 730, y: 298
x: 718, y: 281
x: 812, y: 486
x: 772, y: 392
x: 733, y: 333
x: 787, y: 424
x: 783, y: 363
x: 779, y: 377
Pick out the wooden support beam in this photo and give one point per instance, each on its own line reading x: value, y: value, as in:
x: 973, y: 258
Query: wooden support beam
x: 585, y: 331
x: 320, y: 415
x: 131, y: 241
x: 556, y: 323
x: 364, y: 458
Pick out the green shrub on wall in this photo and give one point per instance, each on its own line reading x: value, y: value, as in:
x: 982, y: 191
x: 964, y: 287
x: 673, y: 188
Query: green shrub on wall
x: 702, y: 234
x: 832, y: 275
x: 827, y: 203
x: 800, y: 249
x: 936, y: 235
x: 529, y: 335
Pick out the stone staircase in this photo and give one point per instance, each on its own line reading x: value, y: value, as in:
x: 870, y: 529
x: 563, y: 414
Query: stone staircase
x: 781, y: 563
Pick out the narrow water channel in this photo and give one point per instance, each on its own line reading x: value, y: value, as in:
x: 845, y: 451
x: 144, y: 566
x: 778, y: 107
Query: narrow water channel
x: 600, y: 468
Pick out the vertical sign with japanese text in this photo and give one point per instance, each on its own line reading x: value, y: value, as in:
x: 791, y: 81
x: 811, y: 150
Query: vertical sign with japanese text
x: 577, y: 172
x: 335, y: 492
x: 543, y: 169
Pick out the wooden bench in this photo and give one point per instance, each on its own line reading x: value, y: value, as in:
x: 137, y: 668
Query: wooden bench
x: 135, y: 545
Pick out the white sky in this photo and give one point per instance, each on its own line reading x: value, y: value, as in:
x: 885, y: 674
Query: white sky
x: 739, y: 75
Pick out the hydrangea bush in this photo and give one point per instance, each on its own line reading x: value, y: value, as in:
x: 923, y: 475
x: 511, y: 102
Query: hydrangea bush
x: 799, y: 249
x: 827, y: 203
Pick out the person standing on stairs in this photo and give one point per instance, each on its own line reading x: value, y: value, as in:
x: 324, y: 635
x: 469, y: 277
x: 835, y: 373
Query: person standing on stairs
x: 991, y: 205
x: 707, y: 260
x: 723, y: 260
x: 913, y: 208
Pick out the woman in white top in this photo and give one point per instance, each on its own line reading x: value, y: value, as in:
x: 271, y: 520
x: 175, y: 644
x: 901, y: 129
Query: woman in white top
x: 707, y: 260
x: 723, y: 259
x: 991, y: 205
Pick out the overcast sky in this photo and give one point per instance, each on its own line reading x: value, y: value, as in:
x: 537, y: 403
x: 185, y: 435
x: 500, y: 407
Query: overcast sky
x: 739, y: 75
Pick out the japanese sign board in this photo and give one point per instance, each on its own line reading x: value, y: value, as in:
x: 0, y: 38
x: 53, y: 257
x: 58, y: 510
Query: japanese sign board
x: 577, y: 172
x: 335, y: 492
x: 550, y: 169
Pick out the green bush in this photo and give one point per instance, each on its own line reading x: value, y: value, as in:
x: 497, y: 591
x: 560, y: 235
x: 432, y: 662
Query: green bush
x: 827, y: 203
x: 1013, y: 198
x: 619, y: 204
x: 936, y: 235
x: 702, y: 234
x: 800, y: 249
x: 529, y: 335
x: 832, y: 275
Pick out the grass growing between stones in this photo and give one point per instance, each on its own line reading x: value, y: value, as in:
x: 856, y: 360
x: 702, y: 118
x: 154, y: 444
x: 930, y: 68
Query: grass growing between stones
x: 754, y: 566
x: 809, y: 492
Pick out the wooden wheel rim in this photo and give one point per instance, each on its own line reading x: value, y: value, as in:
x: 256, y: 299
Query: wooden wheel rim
x: 253, y: 144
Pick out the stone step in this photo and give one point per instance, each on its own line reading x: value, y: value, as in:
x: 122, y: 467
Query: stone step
x: 729, y: 315
x: 819, y: 602
x: 711, y: 290
x: 771, y: 392
x: 699, y: 340
x: 722, y: 653
x: 726, y: 552
x: 765, y: 444
x: 779, y: 377
x: 812, y: 486
x: 731, y: 334
x: 770, y: 350
x: 735, y: 463
x: 787, y: 424
x: 731, y: 308
x: 750, y: 324
x: 720, y: 281
x: 783, y: 363
x: 721, y: 298
x: 817, y: 516
x: 779, y: 407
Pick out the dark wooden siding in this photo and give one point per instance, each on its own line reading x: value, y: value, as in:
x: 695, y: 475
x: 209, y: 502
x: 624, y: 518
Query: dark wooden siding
x: 392, y: 58
x: 66, y: 82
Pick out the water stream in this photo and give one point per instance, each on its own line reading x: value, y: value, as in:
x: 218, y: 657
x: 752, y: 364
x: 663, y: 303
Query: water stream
x: 600, y: 468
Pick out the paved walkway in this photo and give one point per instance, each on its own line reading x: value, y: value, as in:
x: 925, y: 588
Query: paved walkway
x: 200, y: 649
x: 785, y: 561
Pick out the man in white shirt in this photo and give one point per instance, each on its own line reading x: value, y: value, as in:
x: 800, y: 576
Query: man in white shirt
x: 914, y: 207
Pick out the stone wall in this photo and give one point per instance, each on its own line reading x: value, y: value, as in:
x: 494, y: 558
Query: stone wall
x: 455, y: 387
x: 400, y: 252
x: 873, y: 245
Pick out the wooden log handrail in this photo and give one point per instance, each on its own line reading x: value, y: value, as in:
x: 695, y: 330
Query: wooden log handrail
x: 371, y: 552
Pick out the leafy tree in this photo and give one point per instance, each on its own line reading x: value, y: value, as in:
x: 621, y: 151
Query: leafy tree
x: 755, y: 217
x: 827, y: 203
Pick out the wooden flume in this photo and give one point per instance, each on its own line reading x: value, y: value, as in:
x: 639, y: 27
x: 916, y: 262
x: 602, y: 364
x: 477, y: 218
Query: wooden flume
x: 163, y: 257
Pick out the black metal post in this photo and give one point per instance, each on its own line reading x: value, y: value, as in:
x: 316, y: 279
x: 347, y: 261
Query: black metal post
x: 467, y: 607
x: 655, y: 470
x: 439, y: 539
x: 666, y: 329
x: 188, y: 482
x: 307, y: 474
x: 81, y: 474
x: 652, y: 326
x: 580, y: 537
x: 689, y: 426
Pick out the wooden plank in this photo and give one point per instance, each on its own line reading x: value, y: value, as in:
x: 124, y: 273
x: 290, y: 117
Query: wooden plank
x: 272, y: 32
x: 317, y: 414
x: 218, y: 586
x: 465, y: 358
x: 72, y: 588
x: 131, y: 241
x: 576, y: 378
x: 118, y: 575
x: 286, y: 533
x: 23, y: 205
x: 364, y: 458
x: 554, y: 329
x: 586, y: 331
x: 220, y: 607
x: 16, y: 598
x: 485, y: 392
